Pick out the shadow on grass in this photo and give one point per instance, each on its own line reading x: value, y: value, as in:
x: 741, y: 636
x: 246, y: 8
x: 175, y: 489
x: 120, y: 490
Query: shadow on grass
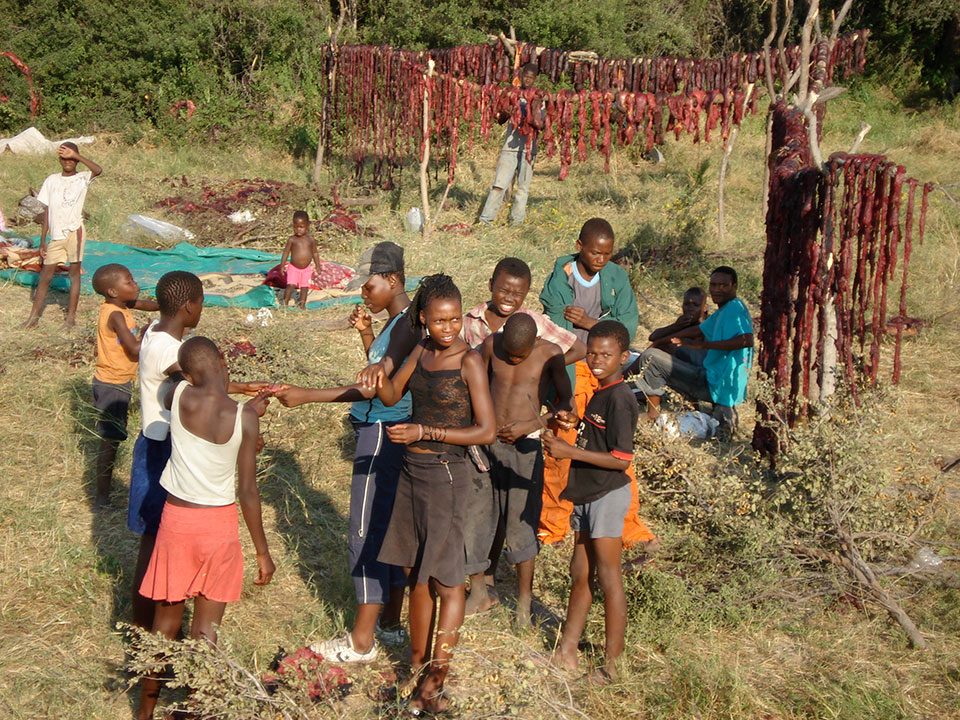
x: 115, y: 545
x: 311, y: 527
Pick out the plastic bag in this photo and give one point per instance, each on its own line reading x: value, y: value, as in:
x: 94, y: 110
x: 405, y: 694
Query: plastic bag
x: 414, y: 220
x: 140, y: 225
x: 690, y: 423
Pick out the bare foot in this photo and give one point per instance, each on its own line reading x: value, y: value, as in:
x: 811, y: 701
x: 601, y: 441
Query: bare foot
x: 31, y: 321
x: 524, y: 617
x: 599, y: 676
x: 564, y: 661
x: 101, y: 505
x: 69, y: 323
x: 479, y: 600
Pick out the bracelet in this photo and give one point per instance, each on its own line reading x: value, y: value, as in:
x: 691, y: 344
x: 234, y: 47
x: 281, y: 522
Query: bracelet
x: 419, y: 433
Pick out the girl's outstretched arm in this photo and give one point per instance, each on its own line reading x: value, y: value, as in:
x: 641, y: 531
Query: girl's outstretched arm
x: 390, y: 390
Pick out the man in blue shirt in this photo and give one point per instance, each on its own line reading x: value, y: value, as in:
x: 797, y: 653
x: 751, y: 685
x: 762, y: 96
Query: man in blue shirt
x: 727, y: 337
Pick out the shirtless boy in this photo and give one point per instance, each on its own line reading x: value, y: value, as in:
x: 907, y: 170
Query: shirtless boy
x: 521, y: 366
x: 301, y: 249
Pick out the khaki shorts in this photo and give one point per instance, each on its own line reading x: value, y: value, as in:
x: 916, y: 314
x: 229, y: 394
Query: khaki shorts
x: 67, y: 251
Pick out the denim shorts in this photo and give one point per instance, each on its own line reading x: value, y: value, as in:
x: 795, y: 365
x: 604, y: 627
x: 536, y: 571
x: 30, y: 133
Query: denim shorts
x: 146, y: 495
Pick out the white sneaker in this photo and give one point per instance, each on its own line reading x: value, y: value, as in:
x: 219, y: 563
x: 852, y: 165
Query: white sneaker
x: 341, y: 650
x: 397, y: 637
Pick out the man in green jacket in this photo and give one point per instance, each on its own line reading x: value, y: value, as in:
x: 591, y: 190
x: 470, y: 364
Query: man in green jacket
x: 586, y: 287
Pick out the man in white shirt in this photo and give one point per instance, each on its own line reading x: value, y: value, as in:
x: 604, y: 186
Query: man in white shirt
x: 63, y: 193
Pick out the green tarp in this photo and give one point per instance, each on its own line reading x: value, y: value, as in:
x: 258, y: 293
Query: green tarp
x: 147, y: 266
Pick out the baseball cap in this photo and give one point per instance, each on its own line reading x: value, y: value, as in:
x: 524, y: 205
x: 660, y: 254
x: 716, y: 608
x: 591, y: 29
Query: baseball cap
x: 384, y: 257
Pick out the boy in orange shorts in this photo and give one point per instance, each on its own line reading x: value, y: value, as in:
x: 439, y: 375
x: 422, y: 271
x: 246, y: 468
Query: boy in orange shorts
x: 583, y: 289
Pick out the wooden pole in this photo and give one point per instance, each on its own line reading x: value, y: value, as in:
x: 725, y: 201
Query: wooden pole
x: 425, y: 159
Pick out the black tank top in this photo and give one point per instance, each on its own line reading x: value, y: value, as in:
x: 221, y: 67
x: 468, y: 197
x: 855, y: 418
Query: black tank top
x: 441, y: 399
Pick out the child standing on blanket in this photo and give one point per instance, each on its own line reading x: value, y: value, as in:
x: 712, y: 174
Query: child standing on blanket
x: 301, y: 249
x: 63, y: 193
x: 599, y: 489
x: 452, y: 409
x: 197, y: 552
x: 118, y: 350
x: 377, y: 460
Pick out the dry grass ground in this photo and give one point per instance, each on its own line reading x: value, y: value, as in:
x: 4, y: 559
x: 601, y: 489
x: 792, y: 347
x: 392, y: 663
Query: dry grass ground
x: 66, y: 572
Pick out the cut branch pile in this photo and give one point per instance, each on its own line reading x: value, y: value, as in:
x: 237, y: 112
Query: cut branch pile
x: 834, y: 239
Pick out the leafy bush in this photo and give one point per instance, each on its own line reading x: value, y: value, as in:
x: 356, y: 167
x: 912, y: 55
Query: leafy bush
x: 247, y: 66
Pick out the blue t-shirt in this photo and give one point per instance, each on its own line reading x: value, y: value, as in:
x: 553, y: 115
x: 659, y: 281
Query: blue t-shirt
x: 727, y: 369
x: 373, y: 410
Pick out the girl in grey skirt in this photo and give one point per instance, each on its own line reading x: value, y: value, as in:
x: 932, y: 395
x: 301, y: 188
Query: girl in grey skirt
x: 452, y: 409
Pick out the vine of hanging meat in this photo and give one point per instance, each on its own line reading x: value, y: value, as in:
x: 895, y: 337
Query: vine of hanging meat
x: 378, y: 99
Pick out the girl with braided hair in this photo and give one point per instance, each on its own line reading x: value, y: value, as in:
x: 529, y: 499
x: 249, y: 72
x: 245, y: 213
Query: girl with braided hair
x: 452, y: 409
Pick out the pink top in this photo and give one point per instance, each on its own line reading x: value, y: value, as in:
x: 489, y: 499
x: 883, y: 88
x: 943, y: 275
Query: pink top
x: 476, y: 329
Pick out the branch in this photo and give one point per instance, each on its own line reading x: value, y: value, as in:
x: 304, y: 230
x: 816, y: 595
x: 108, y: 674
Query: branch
x: 838, y: 21
x: 805, y: 48
x: 781, y: 52
x: 767, y: 65
x: 863, y: 575
x: 864, y: 129
x: 812, y: 132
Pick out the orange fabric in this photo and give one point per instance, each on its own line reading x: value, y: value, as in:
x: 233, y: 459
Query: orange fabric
x: 113, y: 365
x: 555, y: 515
x: 197, y: 553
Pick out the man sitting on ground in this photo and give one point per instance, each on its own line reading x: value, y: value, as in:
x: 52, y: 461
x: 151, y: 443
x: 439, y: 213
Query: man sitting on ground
x: 727, y: 337
x: 694, y: 312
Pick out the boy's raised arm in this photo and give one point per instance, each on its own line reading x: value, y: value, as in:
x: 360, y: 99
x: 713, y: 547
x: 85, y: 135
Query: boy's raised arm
x: 249, y: 497
x: 71, y: 154
x: 146, y: 305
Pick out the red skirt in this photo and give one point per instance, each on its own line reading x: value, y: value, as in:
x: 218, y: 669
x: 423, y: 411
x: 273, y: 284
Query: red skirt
x: 197, y: 553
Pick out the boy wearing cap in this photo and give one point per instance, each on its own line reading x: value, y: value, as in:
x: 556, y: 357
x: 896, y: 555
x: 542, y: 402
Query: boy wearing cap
x: 377, y: 460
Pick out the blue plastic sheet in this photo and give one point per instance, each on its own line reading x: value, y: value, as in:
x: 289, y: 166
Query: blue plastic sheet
x: 147, y: 266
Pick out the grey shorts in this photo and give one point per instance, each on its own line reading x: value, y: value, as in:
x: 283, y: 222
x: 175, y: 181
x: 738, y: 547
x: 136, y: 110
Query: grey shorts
x: 603, y: 517
x: 517, y: 474
x: 111, y: 403
x: 480, y: 522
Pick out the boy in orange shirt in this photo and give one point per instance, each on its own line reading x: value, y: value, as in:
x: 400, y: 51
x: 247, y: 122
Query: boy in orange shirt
x: 118, y: 350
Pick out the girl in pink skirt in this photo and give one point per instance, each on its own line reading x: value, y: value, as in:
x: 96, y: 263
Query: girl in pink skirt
x: 197, y: 552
